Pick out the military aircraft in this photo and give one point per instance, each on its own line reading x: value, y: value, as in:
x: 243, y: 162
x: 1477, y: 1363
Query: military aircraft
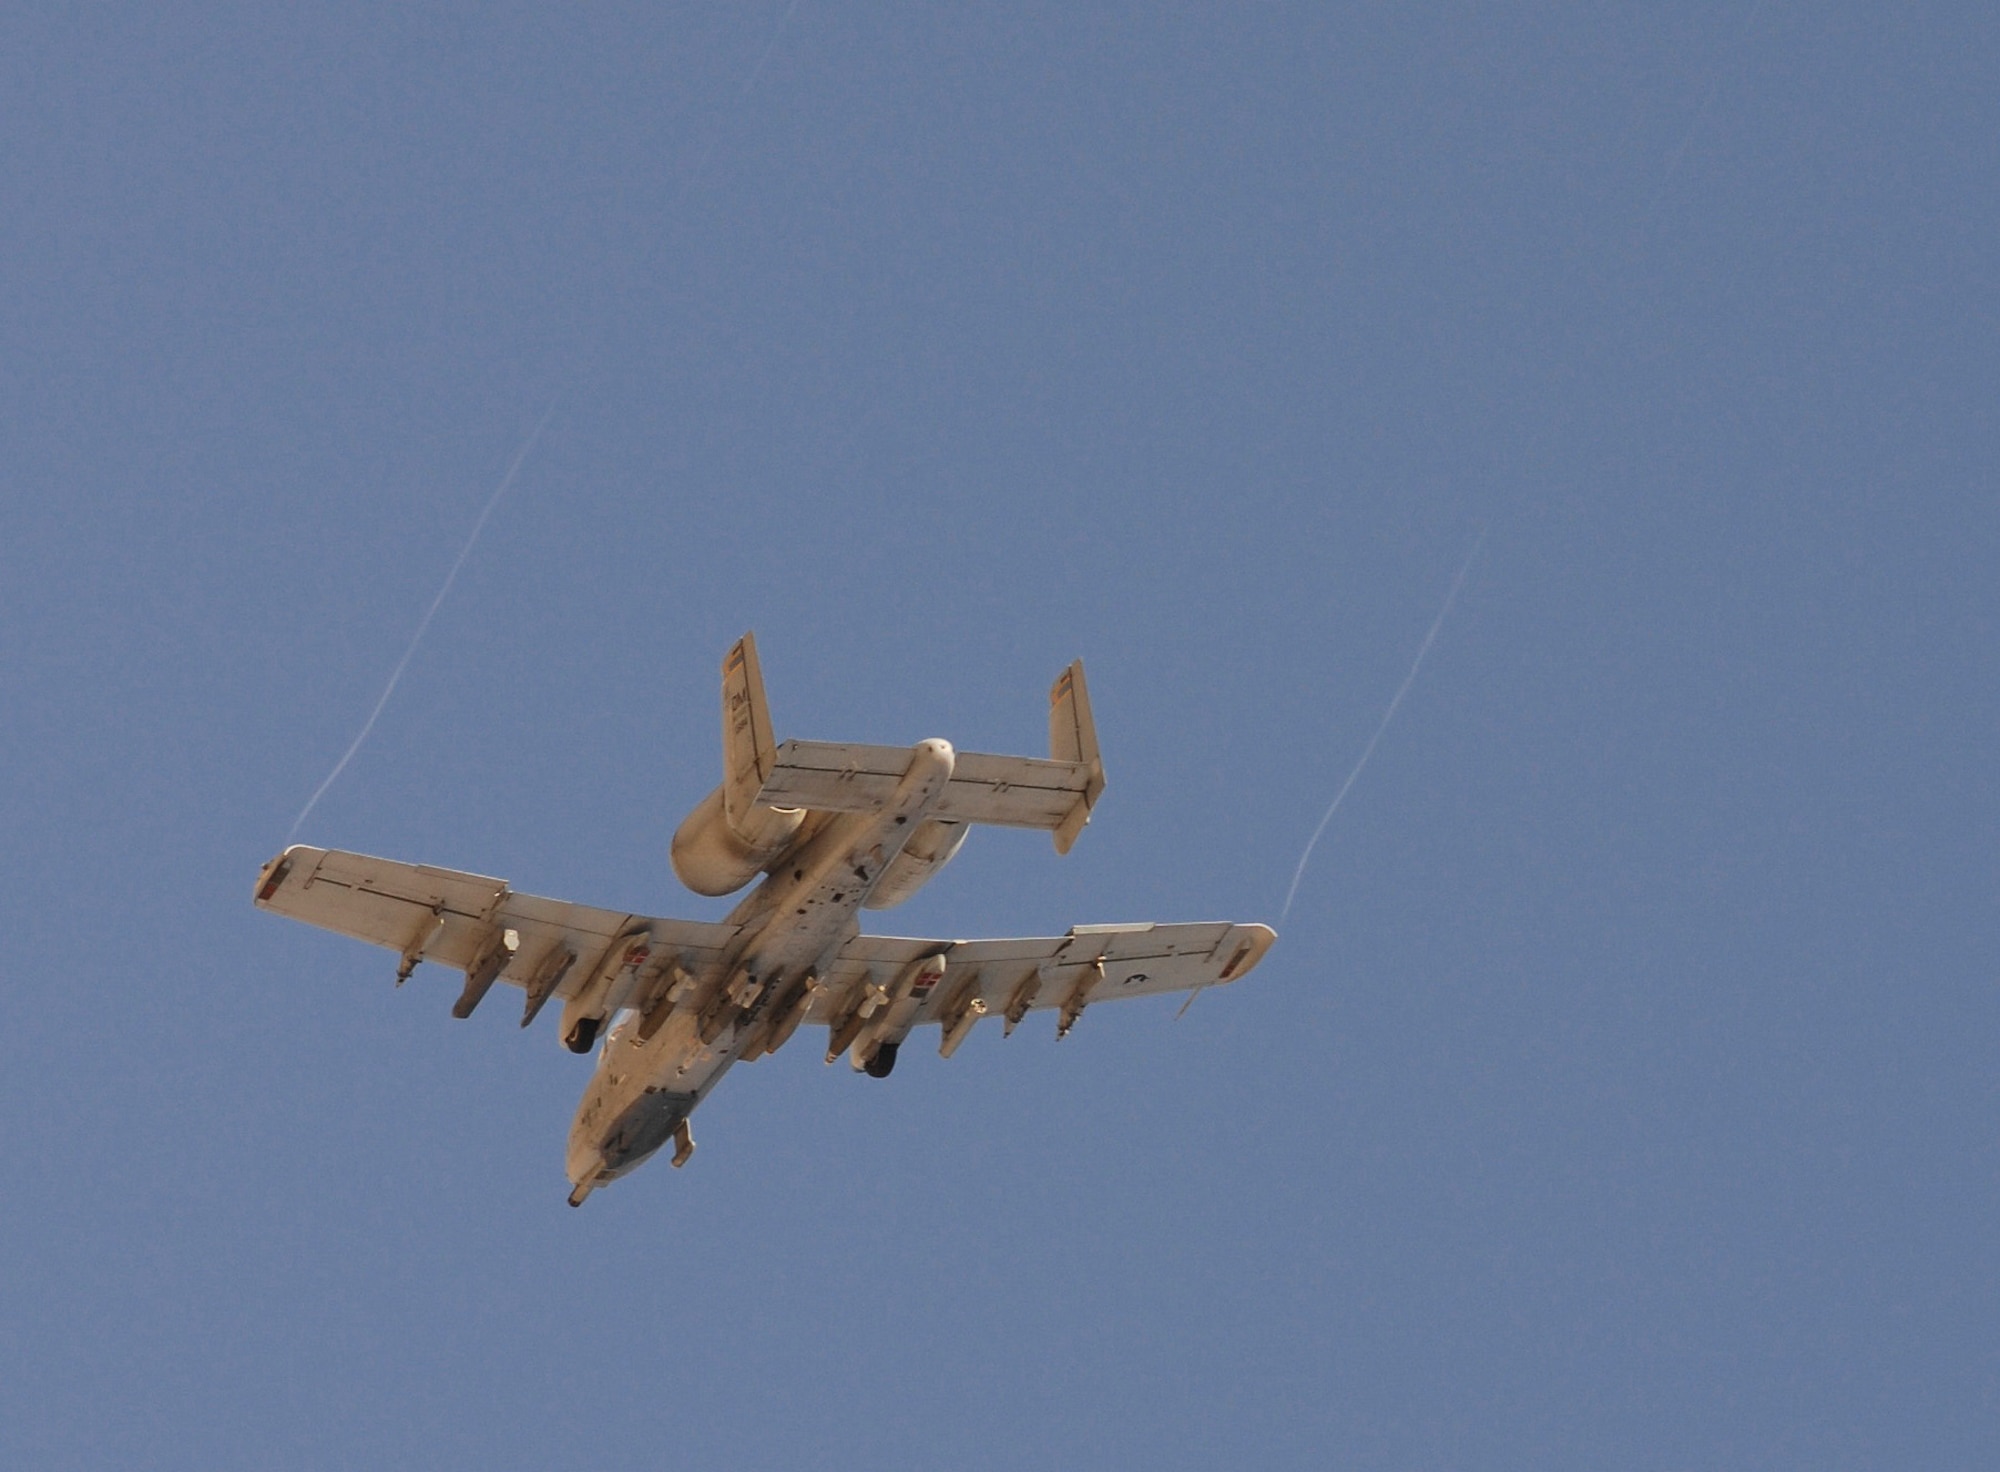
x: 834, y: 828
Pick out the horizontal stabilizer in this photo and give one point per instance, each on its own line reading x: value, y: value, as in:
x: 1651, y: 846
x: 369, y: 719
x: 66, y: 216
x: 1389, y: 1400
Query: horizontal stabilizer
x: 1055, y: 795
x: 847, y: 777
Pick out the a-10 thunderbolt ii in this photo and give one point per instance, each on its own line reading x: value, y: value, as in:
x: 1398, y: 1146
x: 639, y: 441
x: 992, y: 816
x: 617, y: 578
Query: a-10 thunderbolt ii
x: 834, y: 828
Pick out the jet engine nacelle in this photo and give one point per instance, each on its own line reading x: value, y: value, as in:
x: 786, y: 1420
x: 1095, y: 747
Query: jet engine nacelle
x: 930, y: 848
x: 712, y: 856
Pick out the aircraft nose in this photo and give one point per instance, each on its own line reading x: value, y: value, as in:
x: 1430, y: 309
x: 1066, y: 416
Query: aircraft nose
x: 584, y: 1164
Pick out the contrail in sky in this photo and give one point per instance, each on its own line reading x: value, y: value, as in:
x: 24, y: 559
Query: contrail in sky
x: 748, y: 82
x: 425, y: 622
x: 1387, y: 716
x: 784, y: 20
x: 1714, y: 86
x: 507, y: 480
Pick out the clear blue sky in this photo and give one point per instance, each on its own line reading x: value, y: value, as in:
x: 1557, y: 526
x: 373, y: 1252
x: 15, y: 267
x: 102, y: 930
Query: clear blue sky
x: 1621, y: 1092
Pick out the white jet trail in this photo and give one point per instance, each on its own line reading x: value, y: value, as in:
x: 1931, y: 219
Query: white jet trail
x: 425, y: 622
x: 1708, y: 98
x: 749, y: 82
x: 783, y: 21
x: 507, y: 480
x: 1387, y: 716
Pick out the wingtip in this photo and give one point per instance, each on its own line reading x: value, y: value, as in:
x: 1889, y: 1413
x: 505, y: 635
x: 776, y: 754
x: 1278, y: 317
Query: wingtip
x: 1253, y: 940
x: 272, y: 876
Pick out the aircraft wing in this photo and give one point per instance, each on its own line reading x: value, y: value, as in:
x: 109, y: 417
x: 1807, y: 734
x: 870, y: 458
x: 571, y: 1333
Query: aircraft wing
x: 1093, y: 963
x: 470, y: 922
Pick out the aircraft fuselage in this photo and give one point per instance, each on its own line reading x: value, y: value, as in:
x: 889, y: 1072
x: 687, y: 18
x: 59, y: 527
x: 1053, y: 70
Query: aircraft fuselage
x: 657, y: 1065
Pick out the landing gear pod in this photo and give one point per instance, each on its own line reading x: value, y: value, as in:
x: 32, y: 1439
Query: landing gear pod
x: 608, y: 989
x: 882, y: 1062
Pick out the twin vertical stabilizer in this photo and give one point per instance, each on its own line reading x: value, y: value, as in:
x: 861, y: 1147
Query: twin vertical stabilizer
x: 762, y: 779
x: 1073, y: 738
x: 748, y: 750
x: 730, y: 836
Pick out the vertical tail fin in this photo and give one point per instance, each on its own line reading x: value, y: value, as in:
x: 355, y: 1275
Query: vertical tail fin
x: 748, y: 750
x: 1073, y: 738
